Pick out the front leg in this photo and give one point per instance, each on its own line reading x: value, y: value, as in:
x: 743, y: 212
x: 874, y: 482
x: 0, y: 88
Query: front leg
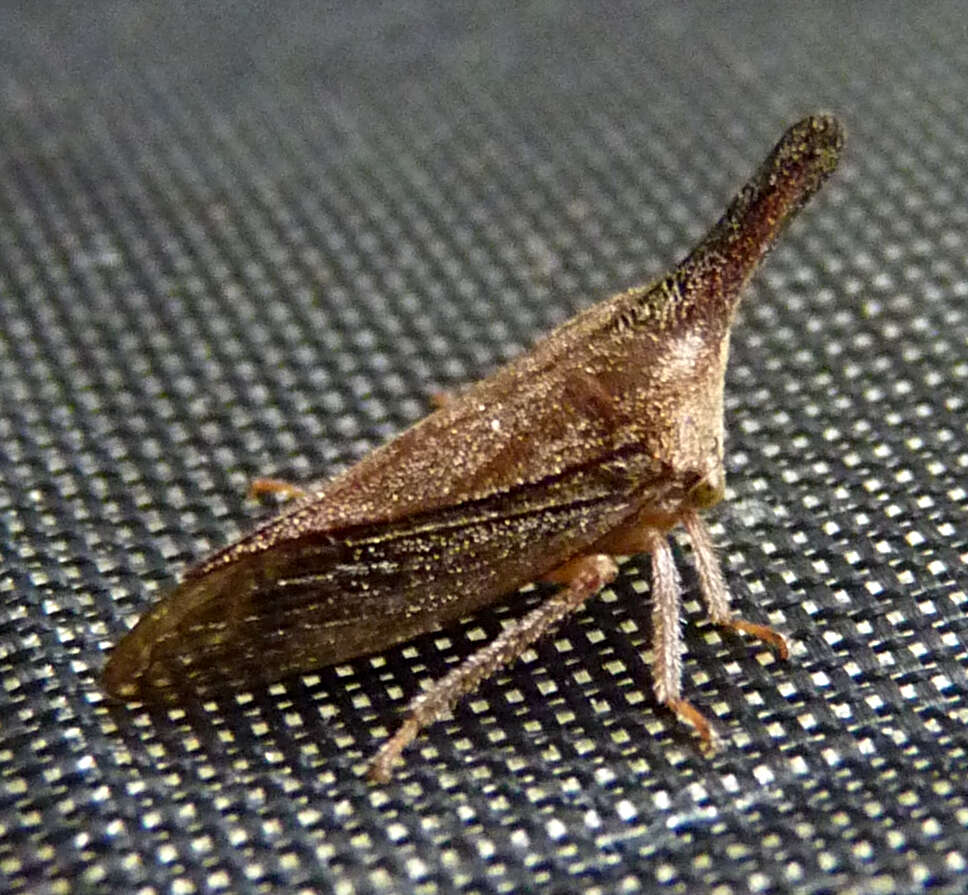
x: 643, y: 537
x: 714, y: 587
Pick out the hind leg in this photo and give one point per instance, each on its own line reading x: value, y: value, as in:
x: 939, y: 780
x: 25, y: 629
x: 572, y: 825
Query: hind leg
x: 261, y: 487
x: 582, y: 578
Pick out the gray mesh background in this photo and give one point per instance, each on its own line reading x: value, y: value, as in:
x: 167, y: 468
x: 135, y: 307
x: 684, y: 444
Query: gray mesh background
x: 242, y: 240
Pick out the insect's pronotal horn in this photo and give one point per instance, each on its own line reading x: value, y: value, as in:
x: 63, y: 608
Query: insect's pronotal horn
x: 805, y: 157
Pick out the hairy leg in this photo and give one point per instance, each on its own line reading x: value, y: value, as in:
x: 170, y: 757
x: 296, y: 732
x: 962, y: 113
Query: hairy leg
x: 714, y: 588
x: 642, y: 537
x: 581, y: 577
x: 667, y: 636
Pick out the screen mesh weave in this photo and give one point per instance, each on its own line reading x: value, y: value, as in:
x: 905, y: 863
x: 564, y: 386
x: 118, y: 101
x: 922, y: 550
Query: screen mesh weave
x: 253, y: 239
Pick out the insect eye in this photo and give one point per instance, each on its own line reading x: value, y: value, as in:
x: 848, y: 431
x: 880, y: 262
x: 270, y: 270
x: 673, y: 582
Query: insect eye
x: 705, y: 494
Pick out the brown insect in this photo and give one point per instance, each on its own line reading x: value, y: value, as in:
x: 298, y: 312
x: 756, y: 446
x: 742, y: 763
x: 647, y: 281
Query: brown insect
x: 595, y: 444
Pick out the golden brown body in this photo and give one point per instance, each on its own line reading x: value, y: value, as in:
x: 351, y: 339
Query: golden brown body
x: 595, y: 443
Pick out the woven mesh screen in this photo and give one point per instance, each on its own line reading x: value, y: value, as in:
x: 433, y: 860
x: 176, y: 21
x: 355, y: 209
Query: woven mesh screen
x: 253, y: 239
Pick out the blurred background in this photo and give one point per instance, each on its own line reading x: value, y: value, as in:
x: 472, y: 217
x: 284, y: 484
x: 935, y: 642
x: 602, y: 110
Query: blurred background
x: 252, y: 239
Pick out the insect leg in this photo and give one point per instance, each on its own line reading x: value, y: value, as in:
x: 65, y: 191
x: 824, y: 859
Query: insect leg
x: 714, y: 587
x: 259, y: 487
x: 582, y: 577
x: 667, y: 636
